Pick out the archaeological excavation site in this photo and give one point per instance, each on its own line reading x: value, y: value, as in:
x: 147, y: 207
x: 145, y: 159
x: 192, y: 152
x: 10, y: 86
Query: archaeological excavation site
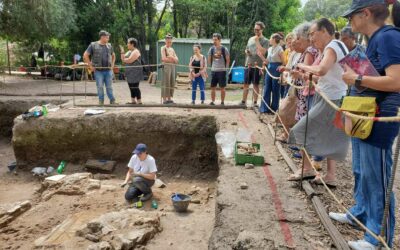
x: 62, y: 175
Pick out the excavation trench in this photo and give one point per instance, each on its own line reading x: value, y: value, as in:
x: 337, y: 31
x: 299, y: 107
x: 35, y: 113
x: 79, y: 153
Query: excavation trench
x: 187, y: 159
x: 181, y: 145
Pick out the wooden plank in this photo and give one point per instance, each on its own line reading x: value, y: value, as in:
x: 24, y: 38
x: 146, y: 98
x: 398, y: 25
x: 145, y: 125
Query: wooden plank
x: 306, y: 185
x: 335, y: 235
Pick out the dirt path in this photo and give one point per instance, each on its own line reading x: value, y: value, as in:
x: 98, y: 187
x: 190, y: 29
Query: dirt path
x: 270, y: 213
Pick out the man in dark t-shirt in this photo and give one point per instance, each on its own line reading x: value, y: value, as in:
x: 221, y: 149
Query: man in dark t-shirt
x: 100, y: 57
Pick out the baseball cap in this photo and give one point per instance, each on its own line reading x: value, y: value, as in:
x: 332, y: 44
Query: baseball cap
x: 360, y: 4
x: 103, y: 33
x: 140, y: 148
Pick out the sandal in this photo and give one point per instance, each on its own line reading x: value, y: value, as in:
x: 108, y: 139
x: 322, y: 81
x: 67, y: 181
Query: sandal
x: 317, y: 165
x: 310, y: 174
x: 282, y: 139
x: 330, y: 184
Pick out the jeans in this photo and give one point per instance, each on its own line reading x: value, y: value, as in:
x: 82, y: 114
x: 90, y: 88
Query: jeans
x: 309, y: 102
x: 138, y: 187
x: 198, y: 81
x: 104, y: 77
x: 284, y: 90
x: 271, y: 86
x: 372, y: 170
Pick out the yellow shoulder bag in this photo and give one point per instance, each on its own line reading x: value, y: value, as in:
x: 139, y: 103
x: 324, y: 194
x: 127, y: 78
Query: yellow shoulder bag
x: 365, y: 106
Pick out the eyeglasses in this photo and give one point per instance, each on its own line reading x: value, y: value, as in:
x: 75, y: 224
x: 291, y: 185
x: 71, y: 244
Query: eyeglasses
x: 349, y: 18
x: 312, y: 33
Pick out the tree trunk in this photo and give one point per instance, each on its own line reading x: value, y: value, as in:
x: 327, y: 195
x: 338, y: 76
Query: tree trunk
x: 161, y: 17
x: 175, y: 21
x: 139, y: 11
x: 150, y: 36
x: 8, y: 58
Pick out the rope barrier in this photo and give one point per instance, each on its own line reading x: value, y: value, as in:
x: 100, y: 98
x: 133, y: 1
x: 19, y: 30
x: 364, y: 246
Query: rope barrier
x: 390, y: 185
x: 334, y: 106
x: 379, y: 238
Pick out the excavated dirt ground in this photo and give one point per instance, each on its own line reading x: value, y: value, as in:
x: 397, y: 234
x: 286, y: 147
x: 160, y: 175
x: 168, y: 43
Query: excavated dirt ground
x: 270, y: 214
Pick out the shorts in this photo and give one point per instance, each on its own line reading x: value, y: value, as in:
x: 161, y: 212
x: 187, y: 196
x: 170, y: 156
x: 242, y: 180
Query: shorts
x: 218, y: 78
x: 252, y: 75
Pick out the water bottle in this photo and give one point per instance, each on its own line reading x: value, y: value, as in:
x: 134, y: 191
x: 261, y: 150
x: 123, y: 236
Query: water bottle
x: 139, y: 204
x: 37, y: 113
x: 44, y: 110
x: 61, y: 167
x: 154, y: 204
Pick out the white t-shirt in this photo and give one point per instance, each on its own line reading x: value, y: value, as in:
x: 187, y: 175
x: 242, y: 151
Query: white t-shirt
x: 332, y: 83
x: 145, y: 167
x: 274, y: 54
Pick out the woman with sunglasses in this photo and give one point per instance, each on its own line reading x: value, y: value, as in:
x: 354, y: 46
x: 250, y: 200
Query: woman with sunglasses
x: 372, y: 157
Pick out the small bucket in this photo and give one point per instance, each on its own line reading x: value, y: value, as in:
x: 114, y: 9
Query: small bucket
x: 180, y: 202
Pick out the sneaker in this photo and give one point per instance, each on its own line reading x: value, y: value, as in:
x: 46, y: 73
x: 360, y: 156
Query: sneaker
x: 242, y: 103
x: 362, y: 245
x: 297, y: 156
x: 113, y: 102
x: 147, y: 197
x: 342, y: 218
x: 101, y: 102
x: 255, y: 105
x: 202, y: 102
x: 222, y: 103
x: 193, y: 103
x: 165, y: 102
x: 294, y: 148
x: 318, y: 158
x: 212, y: 103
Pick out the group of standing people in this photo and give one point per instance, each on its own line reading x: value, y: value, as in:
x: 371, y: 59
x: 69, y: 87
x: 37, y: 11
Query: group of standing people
x: 314, y: 55
x: 219, y: 59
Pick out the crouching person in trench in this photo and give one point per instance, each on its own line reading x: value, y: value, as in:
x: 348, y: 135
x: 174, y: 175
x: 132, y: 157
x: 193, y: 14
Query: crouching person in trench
x: 143, y: 169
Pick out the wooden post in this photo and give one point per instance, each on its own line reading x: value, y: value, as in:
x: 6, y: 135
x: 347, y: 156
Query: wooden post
x: 8, y: 58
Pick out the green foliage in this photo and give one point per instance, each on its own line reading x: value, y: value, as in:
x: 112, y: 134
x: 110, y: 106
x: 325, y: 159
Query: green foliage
x: 60, y: 49
x: 278, y: 16
x: 332, y: 9
x: 66, y: 27
x: 3, y: 53
x: 36, y: 20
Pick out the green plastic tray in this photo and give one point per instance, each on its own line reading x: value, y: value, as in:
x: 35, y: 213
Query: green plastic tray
x: 242, y: 159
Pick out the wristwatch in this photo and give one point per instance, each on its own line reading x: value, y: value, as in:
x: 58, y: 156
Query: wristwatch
x: 358, y: 82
